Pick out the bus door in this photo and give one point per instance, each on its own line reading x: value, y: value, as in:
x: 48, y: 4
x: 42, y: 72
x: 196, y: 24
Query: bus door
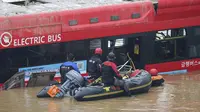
x: 140, y: 48
x: 133, y: 48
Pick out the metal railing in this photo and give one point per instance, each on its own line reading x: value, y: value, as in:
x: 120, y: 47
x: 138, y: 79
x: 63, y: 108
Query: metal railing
x: 15, y: 80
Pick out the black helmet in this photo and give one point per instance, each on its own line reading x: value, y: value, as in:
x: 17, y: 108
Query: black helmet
x: 70, y: 57
x: 111, y: 56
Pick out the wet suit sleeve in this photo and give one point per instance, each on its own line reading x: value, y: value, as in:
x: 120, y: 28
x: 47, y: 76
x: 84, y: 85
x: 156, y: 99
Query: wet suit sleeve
x: 114, y: 67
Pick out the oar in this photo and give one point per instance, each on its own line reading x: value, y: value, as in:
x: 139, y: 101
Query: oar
x: 131, y: 61
x: 123, y: 65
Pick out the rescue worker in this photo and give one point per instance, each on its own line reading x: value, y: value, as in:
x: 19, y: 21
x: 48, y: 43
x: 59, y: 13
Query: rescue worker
x: 110, y: 74
x: 153, y: 72
x: 94, y: 64
x: 67, y: 85
x: 67, y: 66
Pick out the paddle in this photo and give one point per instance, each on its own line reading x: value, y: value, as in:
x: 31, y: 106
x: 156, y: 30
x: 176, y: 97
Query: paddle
x: 131, y: 61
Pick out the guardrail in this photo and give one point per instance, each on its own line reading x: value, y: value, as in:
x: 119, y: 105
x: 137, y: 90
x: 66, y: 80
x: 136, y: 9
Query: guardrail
x: 15, y: 80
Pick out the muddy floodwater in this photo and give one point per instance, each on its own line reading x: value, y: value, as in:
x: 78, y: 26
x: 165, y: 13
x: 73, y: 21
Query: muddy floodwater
x: 181, y: 93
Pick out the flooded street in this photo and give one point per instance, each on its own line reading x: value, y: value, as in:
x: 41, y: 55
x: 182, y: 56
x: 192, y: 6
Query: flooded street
x: 180, y: 93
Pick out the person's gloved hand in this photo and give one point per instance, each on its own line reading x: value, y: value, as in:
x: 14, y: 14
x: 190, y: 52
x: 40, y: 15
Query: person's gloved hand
x: 125, y: 76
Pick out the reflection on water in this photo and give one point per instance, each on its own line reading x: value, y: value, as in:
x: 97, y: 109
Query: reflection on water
x: 180, y: 93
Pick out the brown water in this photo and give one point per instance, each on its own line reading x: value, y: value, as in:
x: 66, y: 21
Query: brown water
x: 180, y: 93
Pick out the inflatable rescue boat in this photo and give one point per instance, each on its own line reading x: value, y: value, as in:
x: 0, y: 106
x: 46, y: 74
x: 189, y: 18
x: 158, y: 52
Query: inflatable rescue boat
x: 140, y: 83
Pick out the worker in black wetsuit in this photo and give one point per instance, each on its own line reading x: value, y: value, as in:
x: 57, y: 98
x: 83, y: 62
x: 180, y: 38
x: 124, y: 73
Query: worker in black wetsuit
x: 67, y: 66
x: 110, y: 74
x: 68, y: 85
x: 94, y: 64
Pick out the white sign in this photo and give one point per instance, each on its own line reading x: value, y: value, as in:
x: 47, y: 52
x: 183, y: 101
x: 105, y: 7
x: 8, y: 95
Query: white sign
x: 190, y: 63
x: 82, y: 66
x: 6, y: 40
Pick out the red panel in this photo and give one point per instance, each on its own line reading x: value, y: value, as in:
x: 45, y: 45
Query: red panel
x: 82, y: 15
x: 118, y: 28
x: 85, y: 74
x: 178, y: 13
x: 38, y: 27
x: 41, y: 25
x: 128, y: 27
x: 58, y: 79
x: 104, y: 13
x: 173, y: 9
x: 27, y: 21
x: 162, y: 4
x: 190, y: 65
x: 1, y: 86
x: 30, y: 36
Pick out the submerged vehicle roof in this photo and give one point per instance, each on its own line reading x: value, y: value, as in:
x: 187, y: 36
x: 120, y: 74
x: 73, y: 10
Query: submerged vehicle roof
x: 8, y: 9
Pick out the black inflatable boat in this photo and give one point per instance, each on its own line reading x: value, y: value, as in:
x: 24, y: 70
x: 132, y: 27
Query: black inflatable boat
x: 140, y: 83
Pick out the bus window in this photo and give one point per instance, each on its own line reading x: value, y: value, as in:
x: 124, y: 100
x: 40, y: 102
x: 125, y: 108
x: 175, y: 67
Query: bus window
x: 119, y: 48
x: 52, y: 51
x: 96, y: 43
x: 170, y: 34
x: 118, y: 43
x: 170, y: 45
x: 193, y: 42
x: 79, y: 49
x: 197, y: 31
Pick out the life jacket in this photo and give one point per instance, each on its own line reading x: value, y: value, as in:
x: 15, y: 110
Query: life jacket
x: 94, y: 66
x: 109, y: 71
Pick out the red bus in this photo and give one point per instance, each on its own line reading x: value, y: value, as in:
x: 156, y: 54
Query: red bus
x: 161, y: 35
